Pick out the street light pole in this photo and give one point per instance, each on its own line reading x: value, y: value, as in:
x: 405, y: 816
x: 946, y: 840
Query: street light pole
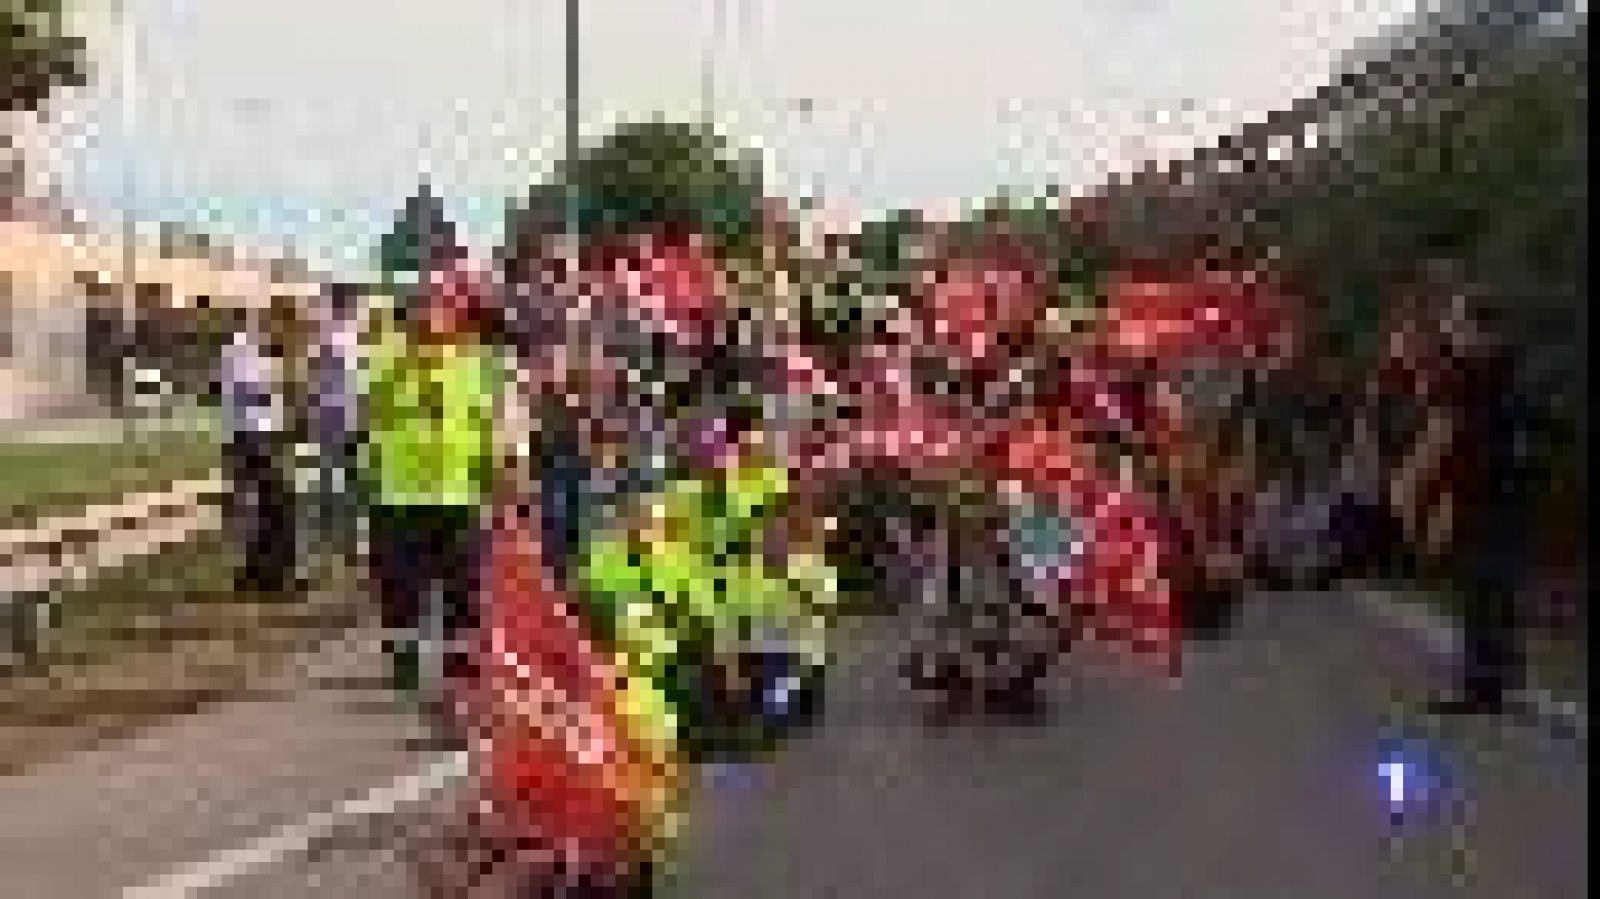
x: 130, y: 310
x: 708, y: 63
x: 572, y: 114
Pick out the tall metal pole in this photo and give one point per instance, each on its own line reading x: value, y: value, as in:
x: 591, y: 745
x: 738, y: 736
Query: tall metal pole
x: 130, y: 309
x: 708, y: 63
x: 572, y: 111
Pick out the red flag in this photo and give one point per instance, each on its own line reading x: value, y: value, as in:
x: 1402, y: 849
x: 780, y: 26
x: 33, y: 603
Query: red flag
x: 977, y: 303
x: 669, y: 278
x: 555, y: 754
x: 1119, y: 583
x: 1172, y: 318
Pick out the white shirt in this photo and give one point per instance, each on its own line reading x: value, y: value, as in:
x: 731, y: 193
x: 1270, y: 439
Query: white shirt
x: 250, y: 388
x: 337, y: 374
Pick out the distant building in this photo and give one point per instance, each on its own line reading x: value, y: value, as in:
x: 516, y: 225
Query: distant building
x: 63, y: 304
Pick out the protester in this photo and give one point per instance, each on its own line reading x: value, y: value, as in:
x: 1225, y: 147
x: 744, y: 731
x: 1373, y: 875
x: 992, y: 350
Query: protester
x: 1477, y: 456
x: 252, y: 391
x: 432, y: 398
x: 336, y: 372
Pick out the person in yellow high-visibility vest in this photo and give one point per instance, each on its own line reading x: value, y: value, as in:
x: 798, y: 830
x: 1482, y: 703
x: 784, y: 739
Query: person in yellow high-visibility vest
x: 431, y: 392
x: 701, y: 599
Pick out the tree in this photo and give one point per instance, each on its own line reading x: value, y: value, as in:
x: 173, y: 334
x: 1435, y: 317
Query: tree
x: 1073, y: 263
x: 39, y: 55
x: 656, y: 172
x: 421, y: 234
x: 885, y: 250
x: 529, y: 226
x: 1493, y: 176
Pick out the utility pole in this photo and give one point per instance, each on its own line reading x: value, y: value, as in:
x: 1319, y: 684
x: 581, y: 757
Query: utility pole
x: 130, y: 306
x: 708, y: 63
x: 572, y: 111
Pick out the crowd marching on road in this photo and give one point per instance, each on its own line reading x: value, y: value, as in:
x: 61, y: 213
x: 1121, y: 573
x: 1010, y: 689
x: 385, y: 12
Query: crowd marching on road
x: 626, y: 512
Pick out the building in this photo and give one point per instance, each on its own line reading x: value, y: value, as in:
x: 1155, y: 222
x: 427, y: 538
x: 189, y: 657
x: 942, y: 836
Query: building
x: 64, y: 309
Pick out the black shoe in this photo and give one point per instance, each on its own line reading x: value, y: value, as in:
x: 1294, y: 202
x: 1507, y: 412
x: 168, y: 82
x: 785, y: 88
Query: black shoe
x: 949, y: 703
x: 1209, y: 614
x: 943, y: 714
x: 1020, y: 707
x: 1466, y: 706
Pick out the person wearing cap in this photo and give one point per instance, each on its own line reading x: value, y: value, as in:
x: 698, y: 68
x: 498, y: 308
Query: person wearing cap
x: 432, y: 395
x: 716, y: 570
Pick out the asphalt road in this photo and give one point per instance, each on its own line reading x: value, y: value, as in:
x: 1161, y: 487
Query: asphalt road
x: 1258, y: 776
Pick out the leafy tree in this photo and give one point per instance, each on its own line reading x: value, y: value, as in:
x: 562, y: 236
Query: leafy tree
x: 657, y: 172
x: 1493, y: 176
x: 39, y: 54
x: 884, y: 250
x: 420, y: 235
x: 1073, y: 262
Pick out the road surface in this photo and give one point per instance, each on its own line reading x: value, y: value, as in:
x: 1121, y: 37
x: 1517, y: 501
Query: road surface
x: 1257, y: 777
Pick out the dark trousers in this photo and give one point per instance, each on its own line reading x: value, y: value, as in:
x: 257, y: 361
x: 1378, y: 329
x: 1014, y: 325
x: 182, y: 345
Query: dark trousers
x: 563, y: 507
x: 340, y: 498
x: 584, y: 885
x: 262, y: 510
x: 1492, y: 624
x: 416, y: 549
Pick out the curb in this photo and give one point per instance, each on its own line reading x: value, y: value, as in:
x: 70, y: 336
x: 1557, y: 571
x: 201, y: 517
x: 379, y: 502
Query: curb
x: 1441, y: 638
x: 100, y: 430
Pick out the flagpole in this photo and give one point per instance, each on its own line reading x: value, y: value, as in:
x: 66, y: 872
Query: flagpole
x: 129, y: 266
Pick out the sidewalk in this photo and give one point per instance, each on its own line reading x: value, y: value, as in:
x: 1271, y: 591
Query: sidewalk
x: 203, y: 655
x: 105, y: 429
x: 201, y: 783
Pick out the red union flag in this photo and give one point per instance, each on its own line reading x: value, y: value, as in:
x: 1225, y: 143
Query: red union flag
x: 978, y: 301
x: 556, y: 753
x: 668, y: 278
x: 1176, y: 317
x: 1119, y: 584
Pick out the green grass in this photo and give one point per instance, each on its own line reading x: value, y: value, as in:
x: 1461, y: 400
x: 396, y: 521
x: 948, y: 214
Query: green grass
x: 182, y: 595
x: 158, y: 638
x: 40, y: 478
x: 145, y: 604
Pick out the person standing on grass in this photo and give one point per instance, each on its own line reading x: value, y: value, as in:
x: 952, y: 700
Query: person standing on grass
x: 252, y: 393
x: 432, y: 398
x: 336, y: 366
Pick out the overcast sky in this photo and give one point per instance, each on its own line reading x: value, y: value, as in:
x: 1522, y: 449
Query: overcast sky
x: 310, y: 120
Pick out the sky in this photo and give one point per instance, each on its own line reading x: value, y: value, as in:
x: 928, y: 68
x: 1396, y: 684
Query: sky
x: 307, y: 122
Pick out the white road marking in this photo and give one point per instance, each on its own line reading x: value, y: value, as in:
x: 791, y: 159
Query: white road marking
x: 1430, y: 627
x: 297, y: 837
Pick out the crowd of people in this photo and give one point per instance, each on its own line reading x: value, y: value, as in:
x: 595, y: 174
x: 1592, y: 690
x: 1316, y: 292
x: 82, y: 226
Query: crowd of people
x: 622, y: 439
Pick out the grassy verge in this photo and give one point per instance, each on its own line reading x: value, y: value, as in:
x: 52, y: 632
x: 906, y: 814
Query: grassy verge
x: 159, y: 638
x: 40, y: 478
